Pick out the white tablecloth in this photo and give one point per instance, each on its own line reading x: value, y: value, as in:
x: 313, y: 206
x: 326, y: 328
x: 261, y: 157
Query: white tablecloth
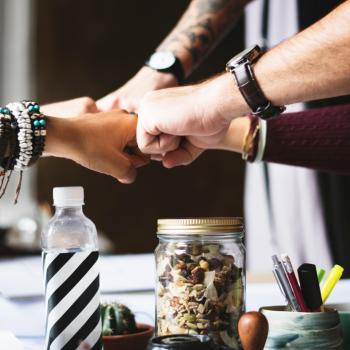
x: 22, y: 307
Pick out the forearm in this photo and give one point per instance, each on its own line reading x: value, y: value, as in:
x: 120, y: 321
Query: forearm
x: 235, y: 136
x: 315, y: 138
x: 61, y: 134
x: 313, y: 64
x: 200, y: 29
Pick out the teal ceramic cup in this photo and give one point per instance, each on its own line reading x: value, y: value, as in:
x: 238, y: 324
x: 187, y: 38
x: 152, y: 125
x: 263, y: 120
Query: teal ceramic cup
x: 344, y: 314
x: 303, y: 330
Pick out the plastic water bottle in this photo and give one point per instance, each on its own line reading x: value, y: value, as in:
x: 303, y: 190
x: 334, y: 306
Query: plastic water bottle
x: 71, y: 274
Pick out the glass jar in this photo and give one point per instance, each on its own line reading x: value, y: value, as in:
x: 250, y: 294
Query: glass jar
x: 201, y: 278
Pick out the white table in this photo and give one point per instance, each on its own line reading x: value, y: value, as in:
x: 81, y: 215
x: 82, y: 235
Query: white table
x: 127, y: 279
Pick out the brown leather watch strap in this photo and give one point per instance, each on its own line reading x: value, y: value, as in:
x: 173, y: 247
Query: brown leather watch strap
x: 252, y: 93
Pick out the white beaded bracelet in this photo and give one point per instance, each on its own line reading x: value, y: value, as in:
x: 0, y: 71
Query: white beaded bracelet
x: 24, y: 136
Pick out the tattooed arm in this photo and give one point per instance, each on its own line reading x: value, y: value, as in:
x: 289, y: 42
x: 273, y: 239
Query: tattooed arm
x: 200, y: 29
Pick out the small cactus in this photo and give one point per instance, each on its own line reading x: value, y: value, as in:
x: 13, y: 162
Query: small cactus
x: 117, y: 319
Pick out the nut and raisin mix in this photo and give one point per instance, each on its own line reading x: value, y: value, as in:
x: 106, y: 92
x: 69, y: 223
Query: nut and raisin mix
x: 200, y: 291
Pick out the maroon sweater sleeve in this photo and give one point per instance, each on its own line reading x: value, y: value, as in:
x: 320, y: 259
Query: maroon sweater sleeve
x: 316, y: 138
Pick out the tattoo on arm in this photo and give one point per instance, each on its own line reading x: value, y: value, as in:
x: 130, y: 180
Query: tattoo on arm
x: 212, y: 6
x: 201, y: 27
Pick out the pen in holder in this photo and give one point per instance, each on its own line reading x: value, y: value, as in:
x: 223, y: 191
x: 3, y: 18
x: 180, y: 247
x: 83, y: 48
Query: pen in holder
x: 303, y: 330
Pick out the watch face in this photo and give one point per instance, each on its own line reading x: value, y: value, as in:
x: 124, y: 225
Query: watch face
x: 248, y: 54
x: 162, y: 60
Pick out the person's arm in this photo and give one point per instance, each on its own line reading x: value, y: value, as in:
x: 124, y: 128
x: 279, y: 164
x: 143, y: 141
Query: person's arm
x: 315, y: 138
x: 66, y: 109
x: 104, y: 142
x: 311, y: 65
x: 97, y: 141
x: 200, y: 29
x: 69, y: 108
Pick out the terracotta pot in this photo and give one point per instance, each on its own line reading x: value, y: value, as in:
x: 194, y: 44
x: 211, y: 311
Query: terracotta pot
x: 134, y: 341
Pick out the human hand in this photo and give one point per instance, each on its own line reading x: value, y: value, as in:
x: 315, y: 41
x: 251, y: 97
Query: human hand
x: 166, y: 116
x: 69, y: 108
x: 184, y: 155
x: 233, y: 141
x: 104, y: 142
x: 128, y: 96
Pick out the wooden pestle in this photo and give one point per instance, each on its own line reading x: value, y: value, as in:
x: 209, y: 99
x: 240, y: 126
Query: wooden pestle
x: 253, y: 329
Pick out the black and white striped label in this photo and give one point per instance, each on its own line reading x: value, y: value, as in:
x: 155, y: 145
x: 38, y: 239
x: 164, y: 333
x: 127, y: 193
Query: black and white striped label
x: 72, y: 300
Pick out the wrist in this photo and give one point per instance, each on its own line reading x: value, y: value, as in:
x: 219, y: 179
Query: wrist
x: 159, y: 80
x: 224, y: 98
x: 236, y: 134
x: 61, y: 135
x: 182, y: 54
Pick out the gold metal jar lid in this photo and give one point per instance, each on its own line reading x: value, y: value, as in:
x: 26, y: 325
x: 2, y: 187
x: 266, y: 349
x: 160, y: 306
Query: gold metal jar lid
x: 202, y: 226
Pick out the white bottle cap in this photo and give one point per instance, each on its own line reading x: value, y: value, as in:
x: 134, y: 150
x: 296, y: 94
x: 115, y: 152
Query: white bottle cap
x: 68, y: 196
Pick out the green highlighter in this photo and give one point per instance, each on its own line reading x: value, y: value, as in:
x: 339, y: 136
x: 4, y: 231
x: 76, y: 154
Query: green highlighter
x: 320, y: 274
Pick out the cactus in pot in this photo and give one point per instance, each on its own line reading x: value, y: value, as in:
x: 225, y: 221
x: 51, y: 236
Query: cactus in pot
x: 117, y: 319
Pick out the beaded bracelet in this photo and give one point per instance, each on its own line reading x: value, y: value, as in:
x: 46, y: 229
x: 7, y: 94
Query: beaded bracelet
x: 28, y: 131
x: 5, y: 133
x: 12, y: 144
x: 24, y: 135
x: 8, y: 162
x: 38, y: 128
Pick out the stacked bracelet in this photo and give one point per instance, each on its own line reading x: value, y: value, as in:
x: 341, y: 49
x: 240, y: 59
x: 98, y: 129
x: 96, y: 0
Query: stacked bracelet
x: 22, y: 134
x: 10, y: 141
x: 5, y: 134
x: 38, y: 128
x: 31, y: 133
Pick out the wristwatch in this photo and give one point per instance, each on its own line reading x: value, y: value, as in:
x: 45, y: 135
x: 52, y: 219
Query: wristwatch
x: 241, y: 67
x: 166, y: 62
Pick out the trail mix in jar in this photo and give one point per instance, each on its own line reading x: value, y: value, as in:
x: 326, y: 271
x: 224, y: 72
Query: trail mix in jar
x: 200, y: 291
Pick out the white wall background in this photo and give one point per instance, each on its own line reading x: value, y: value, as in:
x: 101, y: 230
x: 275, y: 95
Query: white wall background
x: 17, y: 19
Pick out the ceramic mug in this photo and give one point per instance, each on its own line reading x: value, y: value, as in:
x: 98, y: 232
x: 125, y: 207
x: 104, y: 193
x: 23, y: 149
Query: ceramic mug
x: 344, y: 314
x: 303, y: 330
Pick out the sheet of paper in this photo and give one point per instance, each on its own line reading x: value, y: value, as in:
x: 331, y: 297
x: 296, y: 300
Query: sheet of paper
x: 22, y: 277
x: 9, y: 342
x: 23, y: 318
x: 127, y: 273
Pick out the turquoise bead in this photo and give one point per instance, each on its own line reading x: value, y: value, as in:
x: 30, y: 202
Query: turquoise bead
x: 5, y: 110
x: 36, y: 108
x: 36, y: 123
x: 42, y: 122
x: 31, y: 109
